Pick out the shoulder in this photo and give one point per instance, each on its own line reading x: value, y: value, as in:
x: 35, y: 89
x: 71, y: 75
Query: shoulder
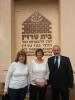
x: 13, y: 63
x: 65, y: 57
x: 50, y: 58
x: 12, y: 66
x: 33, y: 61
x: 45, y: 60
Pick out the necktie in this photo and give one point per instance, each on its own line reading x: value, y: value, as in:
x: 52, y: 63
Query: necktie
x: 56, y: 62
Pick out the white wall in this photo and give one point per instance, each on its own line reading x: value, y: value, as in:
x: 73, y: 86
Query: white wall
x: 5, y: 33
x: 67, y: 28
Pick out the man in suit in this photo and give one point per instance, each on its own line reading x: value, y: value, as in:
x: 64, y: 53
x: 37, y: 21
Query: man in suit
x: 61, y: 74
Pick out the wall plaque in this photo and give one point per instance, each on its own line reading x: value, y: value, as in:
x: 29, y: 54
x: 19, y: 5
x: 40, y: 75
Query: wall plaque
x: 37, y: 33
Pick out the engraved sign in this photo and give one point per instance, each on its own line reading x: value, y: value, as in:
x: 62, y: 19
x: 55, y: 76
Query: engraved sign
x: 37, y: 33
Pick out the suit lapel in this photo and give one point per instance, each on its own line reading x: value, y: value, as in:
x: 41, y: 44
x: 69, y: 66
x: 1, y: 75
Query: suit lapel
x: 53, y: 59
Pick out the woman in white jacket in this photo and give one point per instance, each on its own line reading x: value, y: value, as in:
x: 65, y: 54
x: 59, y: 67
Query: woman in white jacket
x: 39, y: 74
x: 16, y: 83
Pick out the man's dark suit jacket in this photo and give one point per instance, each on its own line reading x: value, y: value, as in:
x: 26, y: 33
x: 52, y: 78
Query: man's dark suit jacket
x: 61, y: 77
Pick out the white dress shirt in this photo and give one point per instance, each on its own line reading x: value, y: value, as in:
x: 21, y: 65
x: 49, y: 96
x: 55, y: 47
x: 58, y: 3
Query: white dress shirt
x: 59, y: 58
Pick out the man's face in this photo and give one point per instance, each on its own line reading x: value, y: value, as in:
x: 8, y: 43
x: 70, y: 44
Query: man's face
x: 56, y: 50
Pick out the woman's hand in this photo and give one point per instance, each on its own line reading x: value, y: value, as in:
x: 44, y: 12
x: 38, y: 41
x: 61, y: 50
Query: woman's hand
x: 37, y: 82
x: 43, y: 82
x: 40, y: 83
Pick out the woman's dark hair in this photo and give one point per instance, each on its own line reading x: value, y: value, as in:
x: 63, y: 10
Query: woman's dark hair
x: 21, y: 52
x: 38, y: 51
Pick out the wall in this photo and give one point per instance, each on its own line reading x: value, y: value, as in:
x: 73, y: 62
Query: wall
x: 5, y: 33
x: 24, y: 9
x: 67, y: 29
